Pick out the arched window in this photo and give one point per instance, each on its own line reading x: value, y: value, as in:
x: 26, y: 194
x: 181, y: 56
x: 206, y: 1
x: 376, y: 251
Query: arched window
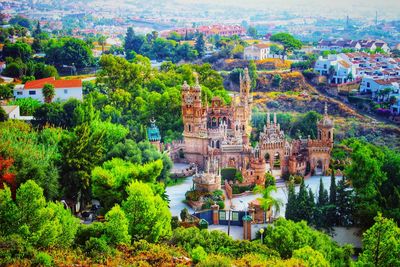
x: 329, y: 134
x: 243, y: 127
x: 190, y: 128
x: 218, y: 144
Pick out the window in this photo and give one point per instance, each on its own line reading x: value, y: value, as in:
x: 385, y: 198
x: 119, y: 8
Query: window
x: 65, y: 91
x: 32, y: 92
x: 235, y: 216
x: 19, y: 93
x: 222, y: 215
x: 324, y: 66
x: 368, y: 84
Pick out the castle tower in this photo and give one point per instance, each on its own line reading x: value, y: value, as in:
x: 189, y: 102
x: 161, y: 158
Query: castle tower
x: 245, y: 85
x: 325, y: 128
x: 195, y: 123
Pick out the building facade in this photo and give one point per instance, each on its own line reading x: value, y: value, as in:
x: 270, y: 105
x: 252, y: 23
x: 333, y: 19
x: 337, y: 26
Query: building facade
x: 220, y: 134
x: 64, y: 89
x: 256, y: 52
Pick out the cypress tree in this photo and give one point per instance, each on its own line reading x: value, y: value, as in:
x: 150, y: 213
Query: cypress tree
x: 332, y: 190
x: 290, y: 212
x: 302, y: 202
x: 311, y: 207
x: 322, y: 195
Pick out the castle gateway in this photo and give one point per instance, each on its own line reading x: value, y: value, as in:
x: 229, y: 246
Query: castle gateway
x: 221, y: 133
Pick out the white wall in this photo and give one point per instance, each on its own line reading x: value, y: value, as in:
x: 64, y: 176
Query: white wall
x: 61, y: 93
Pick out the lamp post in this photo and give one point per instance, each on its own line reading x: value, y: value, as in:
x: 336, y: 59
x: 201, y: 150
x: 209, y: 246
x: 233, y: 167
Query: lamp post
x: 262, y: 232
x: 229, y: 219
x: 245, y: 215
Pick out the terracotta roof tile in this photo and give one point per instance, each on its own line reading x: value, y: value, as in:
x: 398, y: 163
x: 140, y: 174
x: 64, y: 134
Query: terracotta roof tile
x: 38, y: 84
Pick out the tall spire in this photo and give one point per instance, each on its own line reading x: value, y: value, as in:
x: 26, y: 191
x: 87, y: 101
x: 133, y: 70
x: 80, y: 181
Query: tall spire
x: 326, y: 109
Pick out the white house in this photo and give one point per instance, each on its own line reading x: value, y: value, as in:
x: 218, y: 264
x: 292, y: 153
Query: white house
x: 337, y: 68
x: 14, y: 113
x: 374, y: 85
x: 64, y: 89
x: 256, y: 52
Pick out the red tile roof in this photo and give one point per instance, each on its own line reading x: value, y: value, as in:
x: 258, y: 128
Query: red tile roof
x: 38, y: 84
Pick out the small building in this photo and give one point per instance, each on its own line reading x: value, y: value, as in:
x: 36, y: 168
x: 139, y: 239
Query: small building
x: 153, y: 134
x: 13, y: 113
x: 256, y: 52
x: 64, y: 89
x: 374, y: 85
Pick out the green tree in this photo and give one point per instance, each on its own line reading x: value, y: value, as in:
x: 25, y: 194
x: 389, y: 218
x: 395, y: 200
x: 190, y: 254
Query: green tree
x: 288, y: 41
x: 253, y: 74
x: 277, y: 80
x: 17, y: 50
x: 286, y: 236
x: 81, y: 151
x: 6, y: 91
x: 291, y: 205
x: 148, y: 215
x: 48, y: 92
x: 102, y: 40
x: 200, y: 45
x: 311, y: 257
x: 381, y: 244
x: 252, y: 31
x: 21, y: 21
x: 3, y: 115
x: 344, y: 203
x: 133, y: 43
x: 116, y: 227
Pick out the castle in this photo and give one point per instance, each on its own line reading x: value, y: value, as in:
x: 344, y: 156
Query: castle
x: 222, y: 133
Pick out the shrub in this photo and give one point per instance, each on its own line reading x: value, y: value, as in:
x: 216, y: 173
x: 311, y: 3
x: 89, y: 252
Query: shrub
x: 203, y: 224
x: 221, y: 204
x: 215, y: 261
x: 198, y: 254
x: 97, y: 248
x: 184, y: 214
x: 42, y: 259
x: 228, y: 173
x: 269, y: 179
x: 193, y: 195
x: 276, y: 80
x: 175, y: 222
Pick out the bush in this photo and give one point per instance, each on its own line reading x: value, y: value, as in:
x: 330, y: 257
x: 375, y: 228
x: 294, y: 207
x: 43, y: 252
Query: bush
x: 97, y: 248
x: 198, y: 254
x: 215, y: 261
x: 273, y: 104
x: 269, y: 179
x: 193, y: 195
x: 276, y: 80
x: 228, y: 173
x: 43, y: 259
x: 175, y: 222
x: 221, y: 204
x: 203, y: 224
x: 184, y: 214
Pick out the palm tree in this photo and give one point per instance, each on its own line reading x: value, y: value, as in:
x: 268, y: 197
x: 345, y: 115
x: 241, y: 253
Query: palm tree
x: 102, y: 41
x: 267, y: 201
x: 48, y: 92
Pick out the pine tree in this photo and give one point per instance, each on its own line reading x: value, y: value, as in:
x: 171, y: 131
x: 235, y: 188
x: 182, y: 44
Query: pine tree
x: 253, y: 74
x: 320, y: 214
x: 302, y: 203
x: 322, y: 195
x: 332, y: 218
x: 311, y: 207
x: 200, y: 45
x: 332, y: 190
x: 344, y: 203
x: 291, y: 206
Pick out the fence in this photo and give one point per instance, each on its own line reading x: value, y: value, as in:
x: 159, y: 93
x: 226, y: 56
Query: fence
x: 224, y: 216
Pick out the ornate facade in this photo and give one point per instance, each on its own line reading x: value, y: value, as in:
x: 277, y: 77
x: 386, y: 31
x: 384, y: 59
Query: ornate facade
x: 222, y: 133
